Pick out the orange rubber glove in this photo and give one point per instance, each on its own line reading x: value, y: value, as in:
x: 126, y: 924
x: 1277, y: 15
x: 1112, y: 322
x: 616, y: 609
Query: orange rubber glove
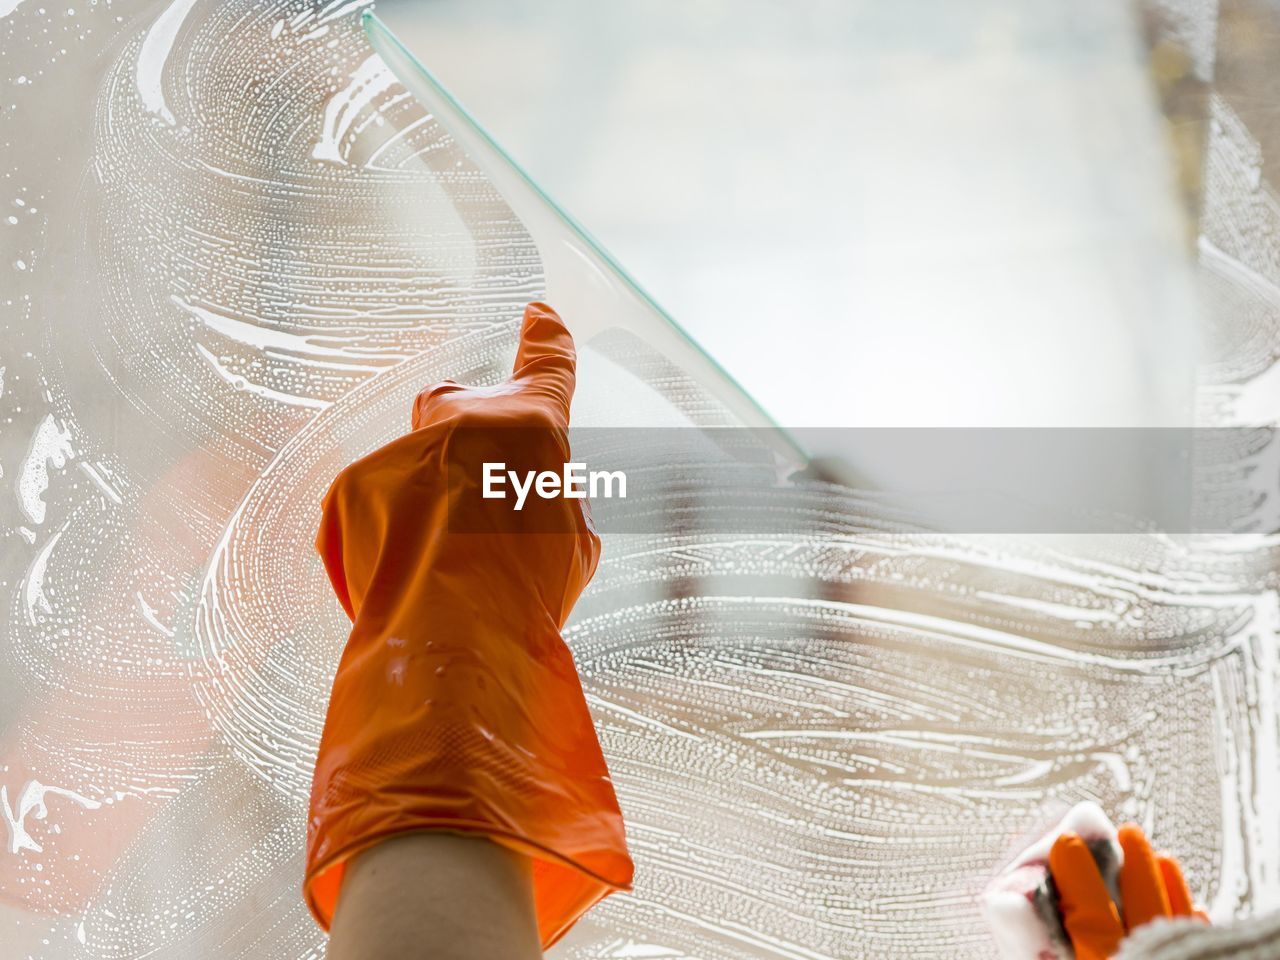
x: 1150, y: 886
x: 456, y: 704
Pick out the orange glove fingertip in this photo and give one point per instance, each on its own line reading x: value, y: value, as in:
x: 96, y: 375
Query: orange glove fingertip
x: 1175, y: 886
x: 1088, y: 913
x: 1142, y: 890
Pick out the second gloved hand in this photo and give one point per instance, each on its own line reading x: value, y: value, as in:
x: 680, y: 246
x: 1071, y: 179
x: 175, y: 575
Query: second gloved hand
x: 1151, y: 886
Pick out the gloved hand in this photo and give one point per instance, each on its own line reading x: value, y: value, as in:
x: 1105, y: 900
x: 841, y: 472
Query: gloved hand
x: 457, y: 704
x: 1150, y: 886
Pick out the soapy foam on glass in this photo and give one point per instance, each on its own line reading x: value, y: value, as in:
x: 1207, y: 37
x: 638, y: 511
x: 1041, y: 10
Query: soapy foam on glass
x: 234, y: 250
